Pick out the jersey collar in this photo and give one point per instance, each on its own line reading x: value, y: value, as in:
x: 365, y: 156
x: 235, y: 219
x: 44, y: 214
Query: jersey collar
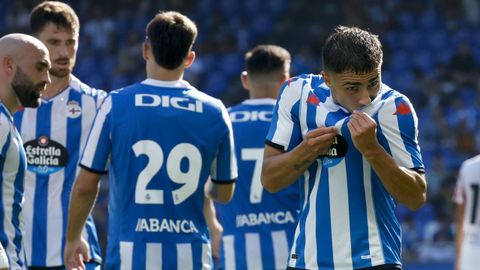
x: 170, y: 84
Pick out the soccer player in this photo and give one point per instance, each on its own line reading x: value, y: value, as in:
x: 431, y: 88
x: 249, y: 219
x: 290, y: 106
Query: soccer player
x: 23, y: 76
x: 258, y: 225
x: 352, y: 143
x: 468, y: 231
x: 53, y: 134
x: 161, y: 139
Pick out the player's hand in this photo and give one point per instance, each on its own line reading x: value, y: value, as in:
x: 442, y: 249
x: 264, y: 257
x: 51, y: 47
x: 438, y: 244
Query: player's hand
x: 216, y: 233
x: 320, y: 139
x: 76, y: 252
x: 363, y: 130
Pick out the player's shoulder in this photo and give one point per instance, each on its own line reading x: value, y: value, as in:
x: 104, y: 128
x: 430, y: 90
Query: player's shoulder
x: 86, y: 90
x: 473, y: 162
x: 392, y: 95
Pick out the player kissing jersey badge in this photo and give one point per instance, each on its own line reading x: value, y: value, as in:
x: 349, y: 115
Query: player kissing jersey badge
x: 73, y: 109
x: 336, y: 153
x: 45, y: 156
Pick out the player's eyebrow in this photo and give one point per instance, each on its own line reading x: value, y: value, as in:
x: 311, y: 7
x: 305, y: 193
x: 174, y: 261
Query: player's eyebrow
x: 43, y: 64
x: 358, y: 83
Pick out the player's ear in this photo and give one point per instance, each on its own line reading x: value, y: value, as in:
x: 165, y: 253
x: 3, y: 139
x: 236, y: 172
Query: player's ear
x: 190, y: 59
x: 145, y: 50
x: 244, y: 79
x: 8, y: 65
x: 326, y: 78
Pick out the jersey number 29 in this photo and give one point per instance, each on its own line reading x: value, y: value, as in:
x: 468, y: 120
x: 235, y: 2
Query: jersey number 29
x: 154, y: 152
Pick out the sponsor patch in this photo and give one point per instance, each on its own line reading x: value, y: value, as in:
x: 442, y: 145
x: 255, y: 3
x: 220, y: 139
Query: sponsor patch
x: 45, y: 156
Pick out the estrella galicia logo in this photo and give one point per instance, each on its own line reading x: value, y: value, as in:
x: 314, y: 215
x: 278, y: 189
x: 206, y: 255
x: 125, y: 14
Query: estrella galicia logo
x: 336, y: 153
x: 45, y: 156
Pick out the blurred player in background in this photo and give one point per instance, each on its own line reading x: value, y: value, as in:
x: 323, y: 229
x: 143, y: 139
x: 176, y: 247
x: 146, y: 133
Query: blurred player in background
x: 468, y: 216
x: 23, y: 76
x: 161, y: 139
x: 258, y: 225
x: 53, y: 134
x: 352, y: 143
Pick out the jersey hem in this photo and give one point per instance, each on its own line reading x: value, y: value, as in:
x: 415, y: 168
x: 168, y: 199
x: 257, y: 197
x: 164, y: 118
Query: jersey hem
x: 92, y: 170
x: 275, y: 145
x: 224, y: 181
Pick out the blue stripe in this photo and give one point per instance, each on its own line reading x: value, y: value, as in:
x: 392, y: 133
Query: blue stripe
x: 384, y: 204
x: 333, y: 117
x: 3, y: 234
x: 356, y: 202
x: 300, y: 243
x: 74, y: 130
x: 406, y: 126
x: 324, y: 226
x: 17, y: 119
x: 239, y: 243
x: 40, y: 203
x: 17, y: 200
x: 266, y: 247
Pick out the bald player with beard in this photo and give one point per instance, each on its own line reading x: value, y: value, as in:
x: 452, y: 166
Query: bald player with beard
x: 25, y: 62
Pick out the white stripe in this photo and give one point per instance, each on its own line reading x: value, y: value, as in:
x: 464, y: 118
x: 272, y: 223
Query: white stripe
x: 54, y: 218
x: 253, y: 251
x: 126, y: 254
x: 280, y: 249
x: 184, y: 257
x: 391, y: 130
x: 376, y: 251
x: 339, y: 216
x: 89, y: 152
x: 154, y: 256
x: 206, y: 257
x: 229, y: 249
x: 284, y: 122
x: 89, y: 110
x: 310, y: 223
x: 27, y: 211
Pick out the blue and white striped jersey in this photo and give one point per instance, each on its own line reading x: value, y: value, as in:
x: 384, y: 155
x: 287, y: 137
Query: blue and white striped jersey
x: 13, y: 165
x: 54, y: 134
x: 347, y: 219
x: 258, y: 225
x: 160, y: 142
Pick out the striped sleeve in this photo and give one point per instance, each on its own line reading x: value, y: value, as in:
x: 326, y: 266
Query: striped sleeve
x: 4, y: 133
x: 283, y: 126
x: 224, y: 166
x: 96, y: 154
x: 399, y: 124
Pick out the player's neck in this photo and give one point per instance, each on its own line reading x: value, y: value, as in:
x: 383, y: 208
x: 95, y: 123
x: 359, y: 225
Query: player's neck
x: 57, y: 85
x: 10, y: 101
x: 163, y: 74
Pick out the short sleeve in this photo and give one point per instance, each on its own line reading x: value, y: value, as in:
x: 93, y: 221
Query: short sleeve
x: 459, y: 193
x: 96, y: 154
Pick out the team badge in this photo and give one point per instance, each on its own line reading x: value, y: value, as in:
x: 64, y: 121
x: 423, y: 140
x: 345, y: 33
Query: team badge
x: 73, y: 109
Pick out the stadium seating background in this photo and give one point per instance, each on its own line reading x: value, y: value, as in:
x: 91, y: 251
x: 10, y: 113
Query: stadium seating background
x: 432, y: 52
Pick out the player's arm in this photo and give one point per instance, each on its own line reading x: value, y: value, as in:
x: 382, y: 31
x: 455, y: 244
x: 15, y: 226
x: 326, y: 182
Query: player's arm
x: 459, y: 234
x: 407, y: 186
x: 280, y: 169
x: 219, y: 191
x: 82, y: 199
x: 214, y: 226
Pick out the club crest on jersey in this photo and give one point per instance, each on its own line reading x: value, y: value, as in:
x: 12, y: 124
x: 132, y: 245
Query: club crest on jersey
x: 45, y: 156
x: 73, y: 109
x: 336, y: 153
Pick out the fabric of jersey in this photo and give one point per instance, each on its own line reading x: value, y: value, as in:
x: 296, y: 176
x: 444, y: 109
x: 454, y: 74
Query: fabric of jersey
x: 160, y: 142
x: 12, y: 165
x: 258, y: 225
x: 54, y: 135
x: 347, y: 219
x: 467, y: 192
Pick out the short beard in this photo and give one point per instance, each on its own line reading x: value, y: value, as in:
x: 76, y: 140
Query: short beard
x: 26, y: 90
x: 59, y: 73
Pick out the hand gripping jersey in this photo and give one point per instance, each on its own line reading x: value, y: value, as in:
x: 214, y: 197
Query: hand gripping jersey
x: 467, y: 191
x: 12, y: 165
x: 258, y: 225
x: 54, y: 135
x: 347, y: 219
x: 160, y: 141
